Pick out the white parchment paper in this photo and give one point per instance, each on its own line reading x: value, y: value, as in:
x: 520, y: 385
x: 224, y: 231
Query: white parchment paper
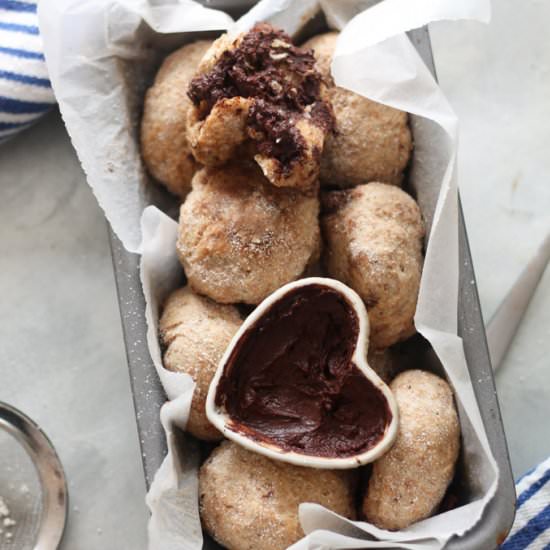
x: 99, y: 57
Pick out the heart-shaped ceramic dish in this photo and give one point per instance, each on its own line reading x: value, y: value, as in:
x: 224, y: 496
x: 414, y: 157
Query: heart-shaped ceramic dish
x: 294, y: 383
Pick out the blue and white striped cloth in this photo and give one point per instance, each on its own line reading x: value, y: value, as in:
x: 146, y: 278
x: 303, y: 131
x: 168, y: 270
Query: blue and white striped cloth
x: 531, y: 529
x: 25, y: 90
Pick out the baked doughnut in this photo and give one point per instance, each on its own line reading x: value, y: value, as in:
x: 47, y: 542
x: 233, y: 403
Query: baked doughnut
x: 164, y: 145
x: 249, y: 502
x: 241, y: 238
x: 408, y: 483
x: 372, y: 142
x: 260, y: 89
x: 194, y: 332
x: 373, y: 243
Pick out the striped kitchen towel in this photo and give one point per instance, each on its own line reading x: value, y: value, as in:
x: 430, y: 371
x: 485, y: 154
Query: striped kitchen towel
x: 25, y: 91
x: 531, y: 529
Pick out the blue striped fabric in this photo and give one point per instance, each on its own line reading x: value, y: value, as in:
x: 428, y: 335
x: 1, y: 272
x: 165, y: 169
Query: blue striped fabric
x: 25, y: 89
x: 531, y: 529
x: 15, y: 5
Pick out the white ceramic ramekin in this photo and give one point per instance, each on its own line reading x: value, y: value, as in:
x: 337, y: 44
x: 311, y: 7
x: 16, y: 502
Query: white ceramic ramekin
x: 223, y: 422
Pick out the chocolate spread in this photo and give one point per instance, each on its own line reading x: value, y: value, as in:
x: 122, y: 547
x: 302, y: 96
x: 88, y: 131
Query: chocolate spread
x: 290, y: 379
x: 281, y: 78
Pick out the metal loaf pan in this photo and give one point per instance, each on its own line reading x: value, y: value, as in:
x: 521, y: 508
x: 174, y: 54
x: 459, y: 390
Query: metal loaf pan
x: 149, y: 396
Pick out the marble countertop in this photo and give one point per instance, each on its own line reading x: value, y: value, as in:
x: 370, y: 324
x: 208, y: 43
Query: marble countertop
x: 62, y: 356
x: 497, y: 78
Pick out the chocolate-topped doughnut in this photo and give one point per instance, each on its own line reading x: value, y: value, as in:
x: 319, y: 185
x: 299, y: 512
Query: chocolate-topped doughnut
x: 261, y: 89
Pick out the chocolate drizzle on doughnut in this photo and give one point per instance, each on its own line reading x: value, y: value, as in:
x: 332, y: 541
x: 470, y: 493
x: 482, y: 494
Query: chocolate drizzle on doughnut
x: 281, y: 78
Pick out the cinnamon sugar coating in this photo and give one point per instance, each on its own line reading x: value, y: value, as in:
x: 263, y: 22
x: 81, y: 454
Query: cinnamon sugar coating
x: 241, y: 238
x: 408, y: 483
x: 164, y: 146
x: 373, y: 242
x: 248, y: 501
x: 372, y: 142
x: 194, y: 332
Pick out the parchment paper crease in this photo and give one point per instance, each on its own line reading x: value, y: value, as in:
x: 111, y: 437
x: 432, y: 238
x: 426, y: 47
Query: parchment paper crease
x: 98, y: 57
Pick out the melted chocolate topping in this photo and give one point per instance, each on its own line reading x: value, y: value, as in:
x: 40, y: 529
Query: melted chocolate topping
x: 291, y: 381
x: 277, y: 134
x: 281, y: 78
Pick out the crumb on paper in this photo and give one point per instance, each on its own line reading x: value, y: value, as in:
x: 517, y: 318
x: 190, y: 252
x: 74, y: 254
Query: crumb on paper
x: 516, y: 182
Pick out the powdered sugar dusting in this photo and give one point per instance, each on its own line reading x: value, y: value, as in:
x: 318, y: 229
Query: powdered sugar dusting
x: 6, y: 521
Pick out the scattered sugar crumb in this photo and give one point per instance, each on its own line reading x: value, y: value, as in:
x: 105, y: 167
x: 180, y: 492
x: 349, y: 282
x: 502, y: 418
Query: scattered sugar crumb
x: 4, y: 510
x: 6, y: 521
x: 9, y: 522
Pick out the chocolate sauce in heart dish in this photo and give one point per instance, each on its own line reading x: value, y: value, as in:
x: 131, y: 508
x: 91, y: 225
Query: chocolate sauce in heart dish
x: 291, y: 381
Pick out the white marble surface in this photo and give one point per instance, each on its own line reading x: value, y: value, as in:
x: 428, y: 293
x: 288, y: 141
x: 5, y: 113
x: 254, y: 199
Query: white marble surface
x: 61, y: 354
x: 62, y: 358
x: 497, y: 77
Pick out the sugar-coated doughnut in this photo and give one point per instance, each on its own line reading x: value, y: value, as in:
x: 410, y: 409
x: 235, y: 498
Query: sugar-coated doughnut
x: 372, y: 142
x: 258, y: 89
x: 194, y: 332
x: 164, y: 146
x: 249, y: 502
x: 373, y: 243
x: 408, y: 483
x: 241, y: 238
